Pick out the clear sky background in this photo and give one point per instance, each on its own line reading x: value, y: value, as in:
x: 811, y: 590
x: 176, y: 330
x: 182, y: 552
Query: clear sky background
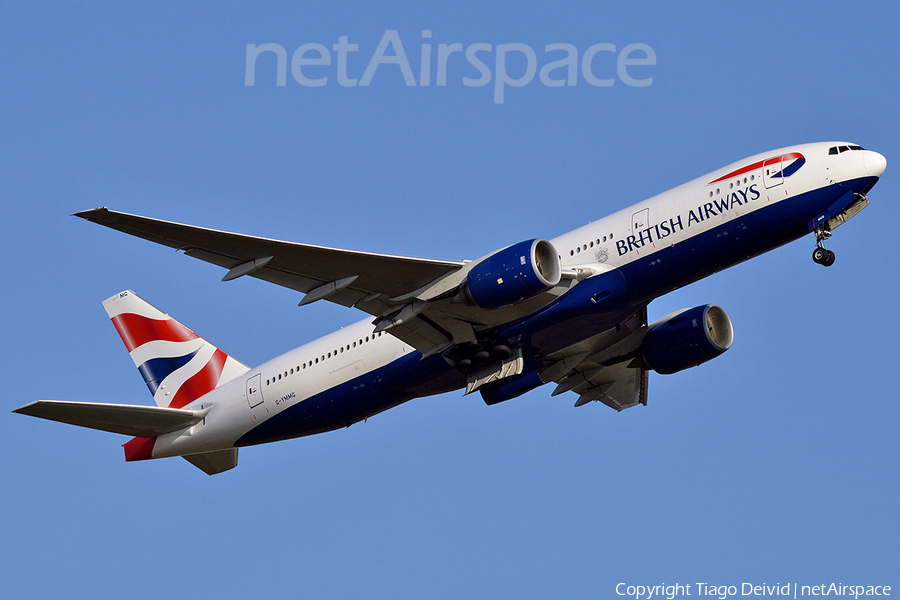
x: 775, y: 463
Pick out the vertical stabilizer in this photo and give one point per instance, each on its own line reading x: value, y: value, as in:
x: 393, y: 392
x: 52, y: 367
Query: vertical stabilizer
x: 177, y: 365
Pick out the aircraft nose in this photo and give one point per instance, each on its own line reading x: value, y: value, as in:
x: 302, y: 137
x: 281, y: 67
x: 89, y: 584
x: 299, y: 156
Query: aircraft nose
x: 875, y: 163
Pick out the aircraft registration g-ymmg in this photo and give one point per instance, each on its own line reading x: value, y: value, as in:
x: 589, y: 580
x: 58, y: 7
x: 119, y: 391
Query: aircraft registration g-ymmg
x: 571, y: 310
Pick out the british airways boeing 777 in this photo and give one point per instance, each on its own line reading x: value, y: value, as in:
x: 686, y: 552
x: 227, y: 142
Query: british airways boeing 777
x: 571, y: 311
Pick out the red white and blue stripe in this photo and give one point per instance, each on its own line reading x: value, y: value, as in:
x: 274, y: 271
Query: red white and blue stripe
x: 786, y: 165
x: 177, y: 365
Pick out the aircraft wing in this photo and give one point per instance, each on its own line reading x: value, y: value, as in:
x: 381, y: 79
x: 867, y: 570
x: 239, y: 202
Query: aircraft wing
x: 601, y: 368
x: 410, y: 297
x: 617, y: 386
x: 342, y: 276
x: 382, y: 285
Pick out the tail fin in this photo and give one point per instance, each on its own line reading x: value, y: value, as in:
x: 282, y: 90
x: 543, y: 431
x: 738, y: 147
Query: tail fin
x: 178, y: 366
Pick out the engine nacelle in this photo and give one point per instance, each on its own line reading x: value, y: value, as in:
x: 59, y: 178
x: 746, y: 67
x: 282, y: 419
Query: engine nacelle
x: 512, y: 388
x: 513, y: 274
x: 687, y: 338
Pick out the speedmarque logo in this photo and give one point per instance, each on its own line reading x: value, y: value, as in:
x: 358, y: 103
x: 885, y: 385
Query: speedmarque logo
x: 314, y: 65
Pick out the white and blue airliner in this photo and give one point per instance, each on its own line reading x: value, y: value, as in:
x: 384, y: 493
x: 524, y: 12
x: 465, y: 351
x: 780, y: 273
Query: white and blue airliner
x: 571, y: 311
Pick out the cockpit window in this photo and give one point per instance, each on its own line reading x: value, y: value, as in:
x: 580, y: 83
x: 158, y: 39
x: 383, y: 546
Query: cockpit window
x: 839, y: 149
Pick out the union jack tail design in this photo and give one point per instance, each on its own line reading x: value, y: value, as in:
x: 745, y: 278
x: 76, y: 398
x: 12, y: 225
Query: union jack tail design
x: 178, y: 366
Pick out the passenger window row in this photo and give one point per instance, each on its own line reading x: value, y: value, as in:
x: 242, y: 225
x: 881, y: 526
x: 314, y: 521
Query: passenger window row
x: 578, y: 249
x: 314, y: 361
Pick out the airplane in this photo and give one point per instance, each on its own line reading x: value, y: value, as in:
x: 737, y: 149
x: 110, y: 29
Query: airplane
x: 570, y: 311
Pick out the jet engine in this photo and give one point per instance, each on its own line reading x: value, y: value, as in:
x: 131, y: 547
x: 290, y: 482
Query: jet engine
x: 687, y: 338
x: 511, y: 275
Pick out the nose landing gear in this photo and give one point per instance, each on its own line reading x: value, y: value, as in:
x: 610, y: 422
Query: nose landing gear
x: 823, y: 230
x: 820, y: 255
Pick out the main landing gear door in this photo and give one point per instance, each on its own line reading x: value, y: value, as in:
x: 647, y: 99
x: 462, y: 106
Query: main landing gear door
x: 254, y: 390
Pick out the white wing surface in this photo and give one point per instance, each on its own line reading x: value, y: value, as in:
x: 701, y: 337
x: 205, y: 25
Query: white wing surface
x: 139, y: 421
x: 410, y: 297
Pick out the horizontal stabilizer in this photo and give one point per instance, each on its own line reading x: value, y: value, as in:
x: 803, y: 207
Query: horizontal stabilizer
x: 214, y: 462
x: 139, y: 421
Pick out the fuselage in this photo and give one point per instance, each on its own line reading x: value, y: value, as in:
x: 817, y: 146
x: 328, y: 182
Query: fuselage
x: 648, y: 249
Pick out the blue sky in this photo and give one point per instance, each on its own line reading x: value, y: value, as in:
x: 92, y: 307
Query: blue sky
x: 777, y: 462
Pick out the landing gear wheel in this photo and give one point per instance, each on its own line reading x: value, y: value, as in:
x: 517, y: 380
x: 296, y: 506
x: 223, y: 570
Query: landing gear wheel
x: 823, y: 257
x: 482, y: 357
x: 501, y: 352
x: 465, y: 366
x: 819, y: 255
